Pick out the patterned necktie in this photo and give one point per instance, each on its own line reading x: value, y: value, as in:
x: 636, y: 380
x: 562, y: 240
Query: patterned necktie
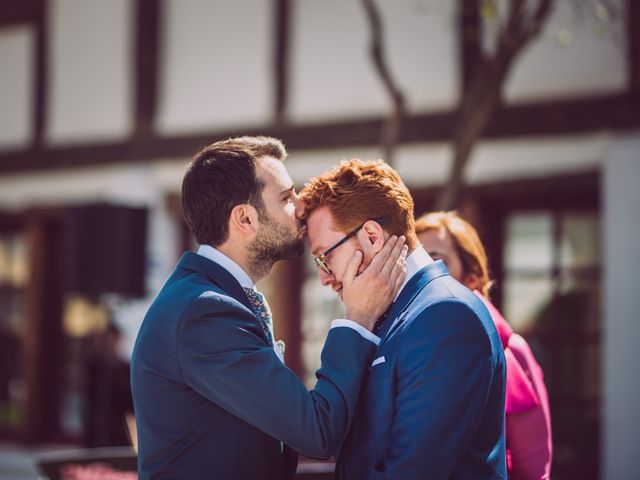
x: 261, y: 310
x: 381, y: 322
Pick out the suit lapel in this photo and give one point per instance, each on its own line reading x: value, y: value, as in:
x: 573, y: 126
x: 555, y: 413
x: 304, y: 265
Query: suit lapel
x: 409, y: 292
x: 215, y: 273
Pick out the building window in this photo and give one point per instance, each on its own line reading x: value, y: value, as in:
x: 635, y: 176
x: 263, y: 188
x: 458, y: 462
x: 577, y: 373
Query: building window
x: 14, y: 272
x: 552, y: 294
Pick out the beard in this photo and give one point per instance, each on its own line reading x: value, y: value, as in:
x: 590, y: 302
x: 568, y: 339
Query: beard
x: 273, y: 242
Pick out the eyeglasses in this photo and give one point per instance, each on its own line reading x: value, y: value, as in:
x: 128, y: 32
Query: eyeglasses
x: 320, y: 262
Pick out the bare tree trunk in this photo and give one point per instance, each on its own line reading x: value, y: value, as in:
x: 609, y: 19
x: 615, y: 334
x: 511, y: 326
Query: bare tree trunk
x: 391, y: 129
x: 483, y: 97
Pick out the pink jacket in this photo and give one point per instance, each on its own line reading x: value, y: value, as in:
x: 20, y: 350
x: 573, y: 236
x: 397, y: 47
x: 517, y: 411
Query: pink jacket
x: 529, y: 447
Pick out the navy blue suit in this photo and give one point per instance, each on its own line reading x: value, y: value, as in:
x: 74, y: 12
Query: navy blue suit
x: 212, y: 399
x: 432, y: 405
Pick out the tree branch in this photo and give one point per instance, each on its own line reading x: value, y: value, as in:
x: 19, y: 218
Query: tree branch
x: 484, y: 94
x: 392, y: 125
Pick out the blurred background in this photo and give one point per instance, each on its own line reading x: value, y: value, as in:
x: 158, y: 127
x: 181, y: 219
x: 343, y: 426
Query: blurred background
x: 523, y: 115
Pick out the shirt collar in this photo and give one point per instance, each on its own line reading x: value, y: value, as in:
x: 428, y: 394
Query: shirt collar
x: 417, y: 260
x: 229, y: 265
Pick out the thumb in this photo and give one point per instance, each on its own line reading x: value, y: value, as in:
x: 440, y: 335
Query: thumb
x: 352, y: 267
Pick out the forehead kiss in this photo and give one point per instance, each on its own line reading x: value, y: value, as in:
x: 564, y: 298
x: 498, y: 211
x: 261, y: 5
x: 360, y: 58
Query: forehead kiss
x: 279, y: 190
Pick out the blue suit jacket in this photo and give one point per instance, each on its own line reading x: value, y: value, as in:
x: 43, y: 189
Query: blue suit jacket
x: 432, y: 405
x: 212, y: 399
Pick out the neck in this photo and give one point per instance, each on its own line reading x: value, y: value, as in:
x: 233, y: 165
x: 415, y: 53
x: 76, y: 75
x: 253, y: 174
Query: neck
x: 238, y: 253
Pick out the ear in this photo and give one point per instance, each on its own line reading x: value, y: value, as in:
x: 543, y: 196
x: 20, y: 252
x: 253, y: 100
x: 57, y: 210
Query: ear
x: 244, y: 219
x: 471, y: 281
x: 372, y: 236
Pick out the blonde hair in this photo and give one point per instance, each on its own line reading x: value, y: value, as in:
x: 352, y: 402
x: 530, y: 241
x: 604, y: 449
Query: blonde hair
x: 466, y: 242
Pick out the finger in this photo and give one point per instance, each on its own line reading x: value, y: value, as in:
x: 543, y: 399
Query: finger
x: 352, y: 268
x: 381, y: 257
x: 399, y: 272
x: 393, y: 257
x: 400, y: 265
x: 399, y: 281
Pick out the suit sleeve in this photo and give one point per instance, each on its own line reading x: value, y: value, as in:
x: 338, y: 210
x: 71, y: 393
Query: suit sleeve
x: 445, y: 369
x: 225, y: 359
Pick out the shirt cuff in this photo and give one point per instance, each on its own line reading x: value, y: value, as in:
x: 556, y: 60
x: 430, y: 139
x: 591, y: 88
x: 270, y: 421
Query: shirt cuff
x: 343, y: 322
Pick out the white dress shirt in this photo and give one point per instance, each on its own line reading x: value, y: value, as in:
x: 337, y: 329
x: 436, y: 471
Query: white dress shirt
x: 215, y: 255
x: 417, y: 260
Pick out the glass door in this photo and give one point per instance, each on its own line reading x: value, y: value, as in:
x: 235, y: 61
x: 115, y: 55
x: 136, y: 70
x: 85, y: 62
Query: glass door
x: 552, y: 297
x: 14, y: 270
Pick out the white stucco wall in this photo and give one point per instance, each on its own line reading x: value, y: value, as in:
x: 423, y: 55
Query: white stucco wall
x: 427, y: 164
x: 215, y: 65
x: 16, y: 77
x: 90, y: 53
x: 576, y: 54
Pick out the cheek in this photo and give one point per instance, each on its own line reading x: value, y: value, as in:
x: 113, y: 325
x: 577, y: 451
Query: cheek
x: 290, y: 209
x: 455, y: 268
x: 365, y: 263
x: 338, y: 264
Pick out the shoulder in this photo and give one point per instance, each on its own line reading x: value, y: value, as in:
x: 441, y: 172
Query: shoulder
x: 446, y: 300
x: 448, y: 317
x: 445, y: 311
x: 198, y: 292
x: 193, y: 296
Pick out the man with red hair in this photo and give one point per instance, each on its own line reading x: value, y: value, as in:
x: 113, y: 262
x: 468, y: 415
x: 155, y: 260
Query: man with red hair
x: 432, y: 401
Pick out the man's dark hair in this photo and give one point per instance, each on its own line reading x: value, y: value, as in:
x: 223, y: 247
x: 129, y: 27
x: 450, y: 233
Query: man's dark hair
x: 220, y: 177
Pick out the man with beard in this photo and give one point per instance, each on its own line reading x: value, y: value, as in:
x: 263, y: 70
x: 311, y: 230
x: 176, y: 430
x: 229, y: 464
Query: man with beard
x: 212, y: 396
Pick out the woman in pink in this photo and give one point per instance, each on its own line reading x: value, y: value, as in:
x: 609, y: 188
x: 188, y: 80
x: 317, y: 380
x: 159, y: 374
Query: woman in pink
x: 449, y: 238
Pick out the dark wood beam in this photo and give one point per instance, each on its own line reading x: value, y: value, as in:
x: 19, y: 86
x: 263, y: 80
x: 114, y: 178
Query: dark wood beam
x: 557, y: 118
x: 41, y: 74
x: 43, y: 340
x: 281, y: 24
x: 148, y: 16
x: 566, y: 117
x: 16, y: 12
x: 633, y: 46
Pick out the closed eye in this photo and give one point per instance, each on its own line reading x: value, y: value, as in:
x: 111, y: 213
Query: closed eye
x: 288, y: 195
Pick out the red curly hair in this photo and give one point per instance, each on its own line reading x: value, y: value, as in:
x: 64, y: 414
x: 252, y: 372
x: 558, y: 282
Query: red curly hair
x: 356, y: 191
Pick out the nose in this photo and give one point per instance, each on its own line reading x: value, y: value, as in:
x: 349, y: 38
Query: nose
x: 299, y: 207
x: 326, y: 278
